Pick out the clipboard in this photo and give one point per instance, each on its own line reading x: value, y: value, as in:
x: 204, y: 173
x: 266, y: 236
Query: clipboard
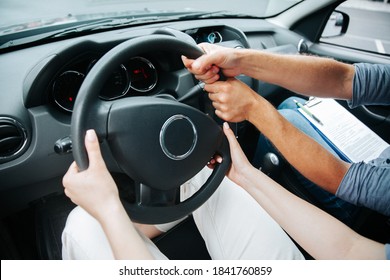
x: 346, y: 134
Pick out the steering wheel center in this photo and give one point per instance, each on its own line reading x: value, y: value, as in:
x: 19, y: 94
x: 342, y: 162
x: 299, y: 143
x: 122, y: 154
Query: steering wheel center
x: 174, y: 126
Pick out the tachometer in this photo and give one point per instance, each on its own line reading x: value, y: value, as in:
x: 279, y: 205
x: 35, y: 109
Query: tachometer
x: 66, y: 87
x: 143, y: 74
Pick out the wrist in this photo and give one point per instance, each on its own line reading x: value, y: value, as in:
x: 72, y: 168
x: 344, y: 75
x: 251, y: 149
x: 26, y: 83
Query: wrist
x: 249, y: 62
x: 246, y: 177
x: 254, y: 108
x: 111, y: 208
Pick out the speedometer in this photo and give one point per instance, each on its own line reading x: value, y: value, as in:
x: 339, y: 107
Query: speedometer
x: 143, y: 74
x: 65, y: 89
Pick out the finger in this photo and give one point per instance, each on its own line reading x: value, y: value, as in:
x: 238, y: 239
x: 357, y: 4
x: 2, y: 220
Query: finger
x: 217, y: 86
x: 218, y: 158
x: 218, y: 105
x: 205, y: 75
x: 73, y: 169
x: 67, y: 193
x: 205, y: 63
x: 223, y: 116
x: 233, y: 143
x: 214, y: 98
x: 211, y: 80
x: 211, y: 164
x: 187, y: 62
x: 93, y: 148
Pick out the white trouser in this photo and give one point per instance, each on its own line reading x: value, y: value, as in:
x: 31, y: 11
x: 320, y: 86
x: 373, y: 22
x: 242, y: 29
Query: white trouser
x: 231, y: 222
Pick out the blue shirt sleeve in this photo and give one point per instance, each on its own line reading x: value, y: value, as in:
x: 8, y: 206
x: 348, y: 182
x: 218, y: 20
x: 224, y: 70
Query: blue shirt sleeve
x: 387, y: 250
x: 367, y: 185
x: 371, y: 85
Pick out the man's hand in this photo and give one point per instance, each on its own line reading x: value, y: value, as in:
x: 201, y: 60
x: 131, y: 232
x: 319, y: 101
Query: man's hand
x: 207, y: 67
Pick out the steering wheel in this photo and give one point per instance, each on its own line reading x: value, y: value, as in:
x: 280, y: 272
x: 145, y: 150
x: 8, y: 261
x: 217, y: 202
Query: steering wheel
x: 158, y: 142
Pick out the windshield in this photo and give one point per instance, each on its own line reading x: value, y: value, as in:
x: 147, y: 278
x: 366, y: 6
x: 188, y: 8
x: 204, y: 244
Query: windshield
x: 22, y: 15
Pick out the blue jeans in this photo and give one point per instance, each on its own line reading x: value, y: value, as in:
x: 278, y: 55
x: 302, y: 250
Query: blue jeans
x: 342, y: 210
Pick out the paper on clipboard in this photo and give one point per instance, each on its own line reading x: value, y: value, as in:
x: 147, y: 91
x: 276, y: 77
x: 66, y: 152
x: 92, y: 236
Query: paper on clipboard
x: 351, y: 138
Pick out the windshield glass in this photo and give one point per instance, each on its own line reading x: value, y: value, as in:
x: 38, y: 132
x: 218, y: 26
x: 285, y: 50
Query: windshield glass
x: 22, y: 15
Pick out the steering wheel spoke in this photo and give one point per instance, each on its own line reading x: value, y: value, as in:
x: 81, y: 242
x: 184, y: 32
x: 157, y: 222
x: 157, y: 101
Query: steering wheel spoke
x: 151, y: 197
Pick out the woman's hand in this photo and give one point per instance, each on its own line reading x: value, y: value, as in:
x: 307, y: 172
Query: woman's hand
x: 93, y: 189
x: 240, y: 163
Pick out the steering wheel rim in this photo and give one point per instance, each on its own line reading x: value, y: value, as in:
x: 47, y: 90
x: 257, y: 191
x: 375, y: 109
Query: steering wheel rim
x: 190, y: 138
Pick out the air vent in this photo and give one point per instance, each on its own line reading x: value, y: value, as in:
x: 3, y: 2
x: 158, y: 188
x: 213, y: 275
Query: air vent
x: 13, y: 139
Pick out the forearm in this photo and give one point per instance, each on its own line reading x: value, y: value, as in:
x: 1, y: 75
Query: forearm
x: 321, y: 235
x: 307, y: 75
x: 125, y: 241
x: 306, y: 155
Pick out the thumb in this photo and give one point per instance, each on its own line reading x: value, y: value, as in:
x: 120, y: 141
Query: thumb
x: 233, y: 143
x: 204, y: 63
x: 239, y: 159
x: 93, y: 148
x: 186, y: 61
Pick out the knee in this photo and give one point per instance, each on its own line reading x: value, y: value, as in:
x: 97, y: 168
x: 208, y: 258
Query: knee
x: 289, y: 103
x: 78, y: 218
x: 78, y: 228
x: 295, y: 118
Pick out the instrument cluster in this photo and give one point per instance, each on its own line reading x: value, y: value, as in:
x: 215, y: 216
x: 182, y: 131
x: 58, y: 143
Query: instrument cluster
x: 137, y: 76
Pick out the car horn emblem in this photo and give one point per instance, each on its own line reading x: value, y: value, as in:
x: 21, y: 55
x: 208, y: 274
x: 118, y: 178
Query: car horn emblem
x: 178, y: 137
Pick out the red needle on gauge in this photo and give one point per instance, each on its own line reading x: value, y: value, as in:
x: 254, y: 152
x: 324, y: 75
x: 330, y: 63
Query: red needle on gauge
x: 142, y: 70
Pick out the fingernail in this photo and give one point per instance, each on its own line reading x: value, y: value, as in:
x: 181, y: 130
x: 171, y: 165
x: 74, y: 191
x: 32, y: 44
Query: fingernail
x: 226, y: 125
x: 91, y: 135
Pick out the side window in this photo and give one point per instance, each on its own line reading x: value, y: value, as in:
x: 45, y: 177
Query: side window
x: 360, y: 24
